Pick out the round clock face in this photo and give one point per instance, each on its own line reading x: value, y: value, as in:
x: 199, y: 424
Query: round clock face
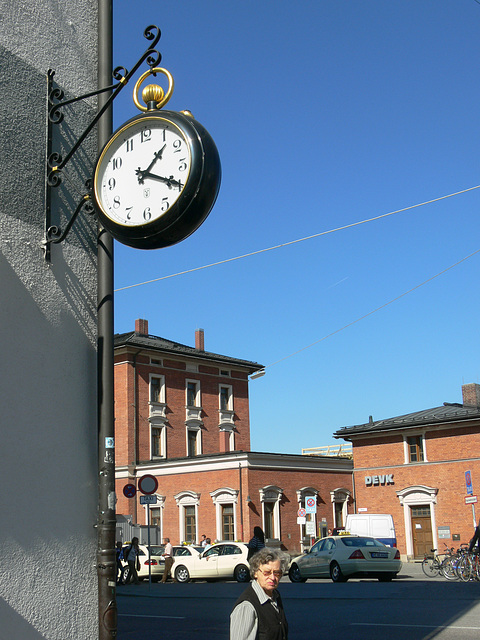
x: 143, y: 171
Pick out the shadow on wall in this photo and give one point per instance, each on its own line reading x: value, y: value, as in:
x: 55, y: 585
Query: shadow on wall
x: 48, y: 418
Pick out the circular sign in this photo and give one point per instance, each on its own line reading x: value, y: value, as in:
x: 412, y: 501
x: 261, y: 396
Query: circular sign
x: 129, y: 490
x: 301, y: 513
x: 310, y: 502
x: 148, y: 484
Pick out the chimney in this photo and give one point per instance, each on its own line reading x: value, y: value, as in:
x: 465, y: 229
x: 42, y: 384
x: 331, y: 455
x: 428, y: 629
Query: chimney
x: 141, y: 327
x: 199, y: 340
x: 471, y: 394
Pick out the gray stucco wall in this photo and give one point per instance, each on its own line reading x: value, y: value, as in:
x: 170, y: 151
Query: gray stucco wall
x: 47, y: 333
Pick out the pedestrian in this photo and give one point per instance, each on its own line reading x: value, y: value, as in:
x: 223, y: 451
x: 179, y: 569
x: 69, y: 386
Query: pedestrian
x: 203, y: 541
x: 131, y: 555
x: 256, y: 543
x: 119, y: 556
x: 208, y: 544
x: 258, y: 612
x: 168, y: 555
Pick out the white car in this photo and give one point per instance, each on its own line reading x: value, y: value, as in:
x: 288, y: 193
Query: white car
x: 227, y: 560
x: 157, y: 564
x: 344, y: 557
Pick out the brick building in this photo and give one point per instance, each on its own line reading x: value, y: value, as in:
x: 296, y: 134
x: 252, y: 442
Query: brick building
x: 182, y: 415
x: 417, y: 467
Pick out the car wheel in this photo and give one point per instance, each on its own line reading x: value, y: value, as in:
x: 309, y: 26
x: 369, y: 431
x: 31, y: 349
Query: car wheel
x: 181, y: 574
x: 388, y: 577
x: 241, y: 574
x: 295, y: 575
x: 336, y: 573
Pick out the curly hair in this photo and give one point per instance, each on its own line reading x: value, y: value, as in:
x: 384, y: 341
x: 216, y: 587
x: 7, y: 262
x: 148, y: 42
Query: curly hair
x: 266, y: 555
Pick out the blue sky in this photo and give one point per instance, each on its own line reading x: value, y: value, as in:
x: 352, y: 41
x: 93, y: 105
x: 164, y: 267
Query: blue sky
x: 325, y: 113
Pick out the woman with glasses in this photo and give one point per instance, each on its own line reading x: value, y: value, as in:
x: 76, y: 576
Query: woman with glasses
x: 258, y: 613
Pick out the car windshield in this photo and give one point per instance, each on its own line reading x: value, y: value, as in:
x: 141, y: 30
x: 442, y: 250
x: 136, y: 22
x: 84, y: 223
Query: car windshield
x: 361, y: 542
x: 156, y: 550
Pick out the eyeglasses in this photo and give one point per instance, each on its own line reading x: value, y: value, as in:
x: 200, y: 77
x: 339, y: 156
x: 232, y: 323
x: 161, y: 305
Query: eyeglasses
x: 268, y: 573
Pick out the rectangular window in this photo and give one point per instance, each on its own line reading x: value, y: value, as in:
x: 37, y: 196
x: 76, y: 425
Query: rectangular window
x: 415, y: 448
x: 157, y: 445
x: 268, y: 519
x: 157, y: 389
x: 191, y: 443
x: 225, y: 398
x: 193, y: 389
x: 227, y: 522
x: 190, y: 524
x: 155, y: 517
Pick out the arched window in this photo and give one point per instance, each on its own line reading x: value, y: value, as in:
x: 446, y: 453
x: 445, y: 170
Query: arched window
x: 270, y: 497
x: 225, y: 501
x: 187, y: 502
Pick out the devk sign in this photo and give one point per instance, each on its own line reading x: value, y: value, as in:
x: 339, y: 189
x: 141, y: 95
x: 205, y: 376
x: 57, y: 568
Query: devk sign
x: 375, y: 481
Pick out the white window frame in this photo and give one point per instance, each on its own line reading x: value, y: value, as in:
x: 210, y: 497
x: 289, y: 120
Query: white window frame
x: 406, y: 446
x: 198, y: 437
x: 198, y: 395
x: 187, y: 499
x: 229, y: 407
x: 221, y: 497
x: 161, y: 397
x: 163, y: 439
x: 272, y: 494
x: 160, y: 505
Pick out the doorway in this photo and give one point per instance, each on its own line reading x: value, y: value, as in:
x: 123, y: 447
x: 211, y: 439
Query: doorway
x: 421, y: 530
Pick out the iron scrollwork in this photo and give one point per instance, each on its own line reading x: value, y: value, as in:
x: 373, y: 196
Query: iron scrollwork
x: 55, y: 163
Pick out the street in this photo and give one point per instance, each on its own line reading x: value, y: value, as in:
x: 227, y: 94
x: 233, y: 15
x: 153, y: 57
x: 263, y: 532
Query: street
x: 413, y: 606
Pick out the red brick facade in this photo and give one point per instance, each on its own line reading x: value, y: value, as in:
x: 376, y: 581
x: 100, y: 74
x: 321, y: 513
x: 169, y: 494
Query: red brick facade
x: 414, y: 467
x: 182, y: 415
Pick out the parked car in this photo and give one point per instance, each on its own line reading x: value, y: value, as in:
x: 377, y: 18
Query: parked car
x: 222, y: 560
x: 157, y: 563
x: 346, y: 556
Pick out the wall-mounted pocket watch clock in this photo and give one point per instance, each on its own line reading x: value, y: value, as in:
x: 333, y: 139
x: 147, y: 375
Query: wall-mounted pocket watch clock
x: 157, y: 178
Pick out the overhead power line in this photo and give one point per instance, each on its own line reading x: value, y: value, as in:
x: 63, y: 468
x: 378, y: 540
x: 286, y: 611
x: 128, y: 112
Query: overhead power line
x: 286, y: 244
x: 372, y: 312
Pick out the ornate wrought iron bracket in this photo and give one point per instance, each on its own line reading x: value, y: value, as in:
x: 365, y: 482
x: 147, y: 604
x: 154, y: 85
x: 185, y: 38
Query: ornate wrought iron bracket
x: 55, y: 163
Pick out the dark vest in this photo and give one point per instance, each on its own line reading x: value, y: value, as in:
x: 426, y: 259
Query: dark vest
x: 272, y: 624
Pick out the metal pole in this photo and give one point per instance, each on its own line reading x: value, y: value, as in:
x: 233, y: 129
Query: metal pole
x: 106, y: 560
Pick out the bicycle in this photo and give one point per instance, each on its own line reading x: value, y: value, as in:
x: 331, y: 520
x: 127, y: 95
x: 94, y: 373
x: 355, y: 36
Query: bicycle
x: 469, y: 566
x: 451, y: 563
x: 432, y: 564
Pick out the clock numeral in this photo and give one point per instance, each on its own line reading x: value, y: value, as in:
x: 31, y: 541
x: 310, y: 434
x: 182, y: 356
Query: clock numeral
x: 183, y: 164
x: 164, y: 134
x: 147, y: 214
x: 116, y: 163
x: 165, y: 204
x: 177, y: 144
x: 116, y: 202
x: 129, y: 212
x: 111, y: 184
x: 146, y: 135
x: 129, y: 144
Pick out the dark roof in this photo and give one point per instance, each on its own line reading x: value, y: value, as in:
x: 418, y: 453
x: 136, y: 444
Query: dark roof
x: 448, y: 412
x: 155, y: 343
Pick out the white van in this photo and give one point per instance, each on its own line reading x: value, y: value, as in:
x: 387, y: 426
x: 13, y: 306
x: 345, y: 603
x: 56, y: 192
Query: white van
x: 375, y: 525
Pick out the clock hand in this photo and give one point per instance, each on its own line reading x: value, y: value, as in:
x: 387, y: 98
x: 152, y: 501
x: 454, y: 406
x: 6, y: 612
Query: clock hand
x: 170, y: 182
x: 157, y: 156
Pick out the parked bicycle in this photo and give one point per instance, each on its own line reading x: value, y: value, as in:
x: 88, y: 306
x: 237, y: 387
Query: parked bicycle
x: 451, y: 563
x: 468, y: 567
x: 433, y: 562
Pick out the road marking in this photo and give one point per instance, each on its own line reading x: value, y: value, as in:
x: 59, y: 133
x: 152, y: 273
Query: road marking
x: 416, y: 626
x: 136, y: 615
